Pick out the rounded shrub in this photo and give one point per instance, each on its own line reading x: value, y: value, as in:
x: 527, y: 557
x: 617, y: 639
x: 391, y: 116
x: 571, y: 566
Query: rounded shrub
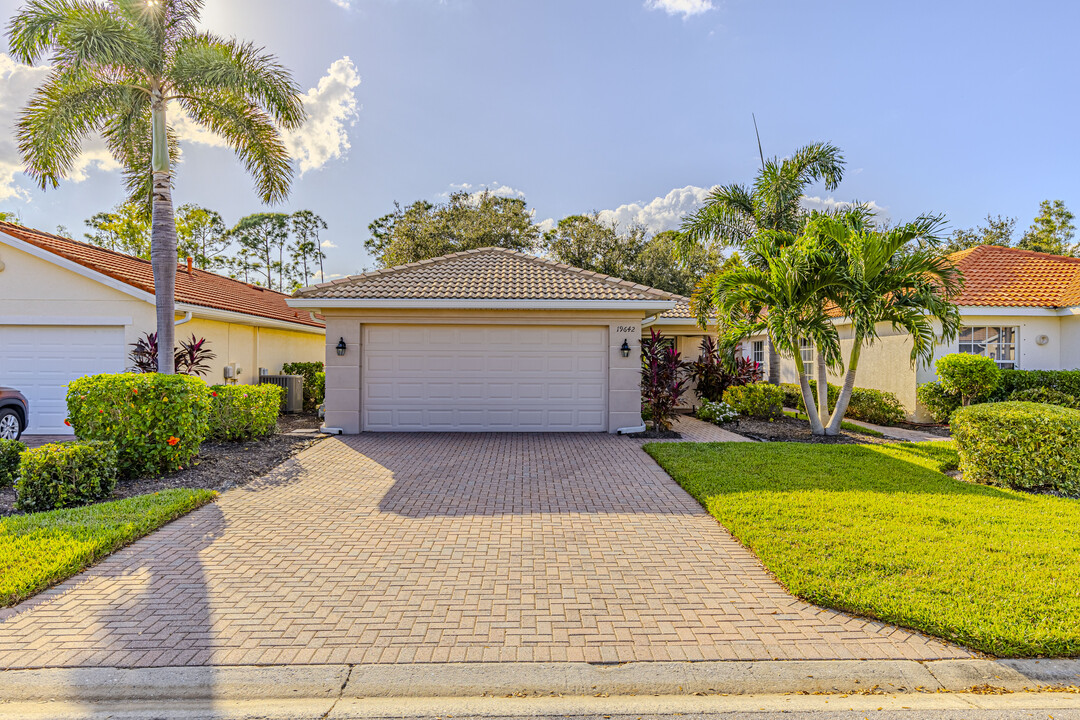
x: 157, y: 422
x: 10, y: 450
x: 716, y: 412
x: 243, y: 412
x: 1047, y: 396
x: 973, y: 378
x: 940, y: 404
x: 761, y: 400
x: 66, y: 474
x: 1020, y: 445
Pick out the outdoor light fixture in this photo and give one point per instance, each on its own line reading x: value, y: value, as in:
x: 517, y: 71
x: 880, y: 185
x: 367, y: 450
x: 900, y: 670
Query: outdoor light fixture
x: 625, y: 349
x: 341, y: 346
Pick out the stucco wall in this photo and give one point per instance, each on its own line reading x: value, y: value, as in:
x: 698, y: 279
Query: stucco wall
x: 344, y: 374
x: 32, y: 289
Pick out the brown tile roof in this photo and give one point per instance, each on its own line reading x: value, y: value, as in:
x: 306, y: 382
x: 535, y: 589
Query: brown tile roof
x: 681, y: 311
x: 484, y: 274
x: 1008, y: 277
x: 201, y: 288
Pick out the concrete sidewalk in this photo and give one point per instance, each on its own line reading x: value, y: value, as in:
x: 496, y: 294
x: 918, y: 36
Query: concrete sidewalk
x: 535, y: 689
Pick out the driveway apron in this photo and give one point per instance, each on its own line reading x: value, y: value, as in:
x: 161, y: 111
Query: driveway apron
x: 397, y: 548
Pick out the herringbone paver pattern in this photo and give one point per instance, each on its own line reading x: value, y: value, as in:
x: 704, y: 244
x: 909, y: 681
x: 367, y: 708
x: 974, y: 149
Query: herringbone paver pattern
x: 435, y: 548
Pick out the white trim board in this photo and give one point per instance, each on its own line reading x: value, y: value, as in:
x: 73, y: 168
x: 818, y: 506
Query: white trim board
x: 62, y: 320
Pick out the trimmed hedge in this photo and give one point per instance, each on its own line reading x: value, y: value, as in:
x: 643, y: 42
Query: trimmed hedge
x: 1020, y: 445
x: 867, y: 404
x: 1047, y: 396
x: 157, y: 422
x: 974, y: 378
x: 244, y: 412
x: 10, y: 450
x: 314, y: 386
x: 939, y: 403
x: 757, y: 400
x: 66, y: 474
x: 1066, y: 381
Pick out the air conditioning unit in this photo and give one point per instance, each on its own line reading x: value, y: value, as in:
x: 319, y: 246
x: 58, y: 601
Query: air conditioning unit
x: 294, y: 390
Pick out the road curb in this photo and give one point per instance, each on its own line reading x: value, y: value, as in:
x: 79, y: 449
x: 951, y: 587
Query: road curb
x: 463, y: 680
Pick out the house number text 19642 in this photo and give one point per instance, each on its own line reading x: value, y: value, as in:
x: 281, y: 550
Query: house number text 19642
x: 626, y: 328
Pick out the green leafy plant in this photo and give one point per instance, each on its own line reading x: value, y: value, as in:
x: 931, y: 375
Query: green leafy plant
x: 190, y: 358
x: 10, y: 450
x: 867, y: 404
x: 1019, y: 445
x: 662, y: 379
x: 713, y: 372
x: 314, y: 382
x: 244, y: 412
x: 939, y: 403
x: 1066, y: 381
x: 973, y: 378
x: 716, y: 412
x: 156, y: 421
x: 1046, y: 396
x: 67, y: 474
x: 761, y: 401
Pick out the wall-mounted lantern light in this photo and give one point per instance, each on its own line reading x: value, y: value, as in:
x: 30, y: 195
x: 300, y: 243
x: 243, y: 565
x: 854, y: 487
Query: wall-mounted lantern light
x: 341, y: 346
x: 625, y: 349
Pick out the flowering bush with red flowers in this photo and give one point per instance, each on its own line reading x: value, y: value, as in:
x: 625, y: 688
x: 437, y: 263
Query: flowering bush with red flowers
x: 244, y: 412
x: 157, y: 422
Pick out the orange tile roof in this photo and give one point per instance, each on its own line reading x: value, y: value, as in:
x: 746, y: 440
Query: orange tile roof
x: 200, y: 287
x: 1008, y: 277
x: 484, y: 274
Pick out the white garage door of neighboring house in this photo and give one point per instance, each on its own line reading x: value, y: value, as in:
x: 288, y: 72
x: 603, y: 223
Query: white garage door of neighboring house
x: 40, y: 360
x: 484, y: 378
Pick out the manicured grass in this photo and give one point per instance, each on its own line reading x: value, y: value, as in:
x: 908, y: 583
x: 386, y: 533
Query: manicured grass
x: 844, y: 425
x: 41, y: 549
x: 880, y: 531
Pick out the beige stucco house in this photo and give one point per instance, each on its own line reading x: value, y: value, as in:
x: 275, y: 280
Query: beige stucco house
x: 484, y: 340
x: 1019, y: 307
x: 69, y: 309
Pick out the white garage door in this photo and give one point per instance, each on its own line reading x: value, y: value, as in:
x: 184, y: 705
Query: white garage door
x: 40, y: 360
x: 484, y: 378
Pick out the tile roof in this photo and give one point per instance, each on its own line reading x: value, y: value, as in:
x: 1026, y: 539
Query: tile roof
x: 200, y: 287
x: 1009, y: 277
x: 681, y: 311
x: 484, y: 274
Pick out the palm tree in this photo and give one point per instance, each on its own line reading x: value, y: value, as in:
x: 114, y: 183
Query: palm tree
x: 895, y: 276
x: 116, y: 68
x: 778, y: 292
x: 733, y: 214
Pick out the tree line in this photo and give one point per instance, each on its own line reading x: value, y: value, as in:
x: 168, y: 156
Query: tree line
x: 1052, y: 232
x: 279, y: 251
x: 467, y: 221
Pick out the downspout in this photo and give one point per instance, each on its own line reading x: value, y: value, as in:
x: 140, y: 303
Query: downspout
x: 187, y: 318
x: 649, y: 320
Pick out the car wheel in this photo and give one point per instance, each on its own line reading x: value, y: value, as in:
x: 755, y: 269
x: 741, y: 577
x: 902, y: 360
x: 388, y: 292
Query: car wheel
x: 10, y: 424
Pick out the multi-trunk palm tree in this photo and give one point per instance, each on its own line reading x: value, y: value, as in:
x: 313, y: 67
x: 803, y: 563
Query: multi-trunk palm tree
x: 733, y: 215
x: 118, y: 68
x: 839, y: 269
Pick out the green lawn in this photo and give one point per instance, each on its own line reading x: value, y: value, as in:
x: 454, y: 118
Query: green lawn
x: 844, y: 425
x: 880, y: 531
x: 41, y: 549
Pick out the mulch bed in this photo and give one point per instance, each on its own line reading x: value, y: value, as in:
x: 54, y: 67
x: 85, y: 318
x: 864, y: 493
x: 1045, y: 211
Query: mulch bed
x: 219, y: 466
x: 657, y: 435
x: 787, y: 429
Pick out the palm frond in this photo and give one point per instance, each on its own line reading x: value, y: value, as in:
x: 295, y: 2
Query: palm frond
x: 251, y: 134
x: 205, y: 63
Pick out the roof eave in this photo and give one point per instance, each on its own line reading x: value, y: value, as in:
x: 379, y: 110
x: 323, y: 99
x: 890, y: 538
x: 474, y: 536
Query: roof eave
x: 477, y: 304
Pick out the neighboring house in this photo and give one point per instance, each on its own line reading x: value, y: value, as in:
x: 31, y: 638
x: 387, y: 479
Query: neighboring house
x: 69, y: 309
x: 1019, y: 307
x: 484, y: 340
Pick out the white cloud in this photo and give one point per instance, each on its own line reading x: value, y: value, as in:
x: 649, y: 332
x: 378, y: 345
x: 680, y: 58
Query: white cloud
x: 331, y: 106
x: 661, y: 213
x: 328, y: 245
x: 493, y: 188
x: 546, y: 225
x: 831, y: 203
x: 17, y: 84
x: 686, y: 8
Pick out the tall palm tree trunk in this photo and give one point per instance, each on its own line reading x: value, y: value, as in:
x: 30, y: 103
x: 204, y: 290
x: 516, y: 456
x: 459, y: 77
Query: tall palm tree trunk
x: 845, y: 392
x: 816, y: 427
x: 774, y: 362
x: 823, y: 391
x: 163, y: 240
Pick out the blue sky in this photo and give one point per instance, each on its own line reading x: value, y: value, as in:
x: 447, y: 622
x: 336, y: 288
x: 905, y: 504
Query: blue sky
x: 630, y: 106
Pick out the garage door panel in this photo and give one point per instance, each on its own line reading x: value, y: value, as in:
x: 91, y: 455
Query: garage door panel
x: 41, y: 360
x: 508, y: 378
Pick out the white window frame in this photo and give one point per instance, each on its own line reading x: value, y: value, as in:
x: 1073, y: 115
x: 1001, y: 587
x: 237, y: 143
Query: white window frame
x: 985, y: 346
x: 807, y: 350
x: 757, y: 352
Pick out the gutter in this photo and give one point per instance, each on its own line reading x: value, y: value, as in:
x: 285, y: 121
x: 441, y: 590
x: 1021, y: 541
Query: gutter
x: 187, y: 318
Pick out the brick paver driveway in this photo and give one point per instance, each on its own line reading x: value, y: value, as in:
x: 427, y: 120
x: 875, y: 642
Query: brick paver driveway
x: 434, y: 548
